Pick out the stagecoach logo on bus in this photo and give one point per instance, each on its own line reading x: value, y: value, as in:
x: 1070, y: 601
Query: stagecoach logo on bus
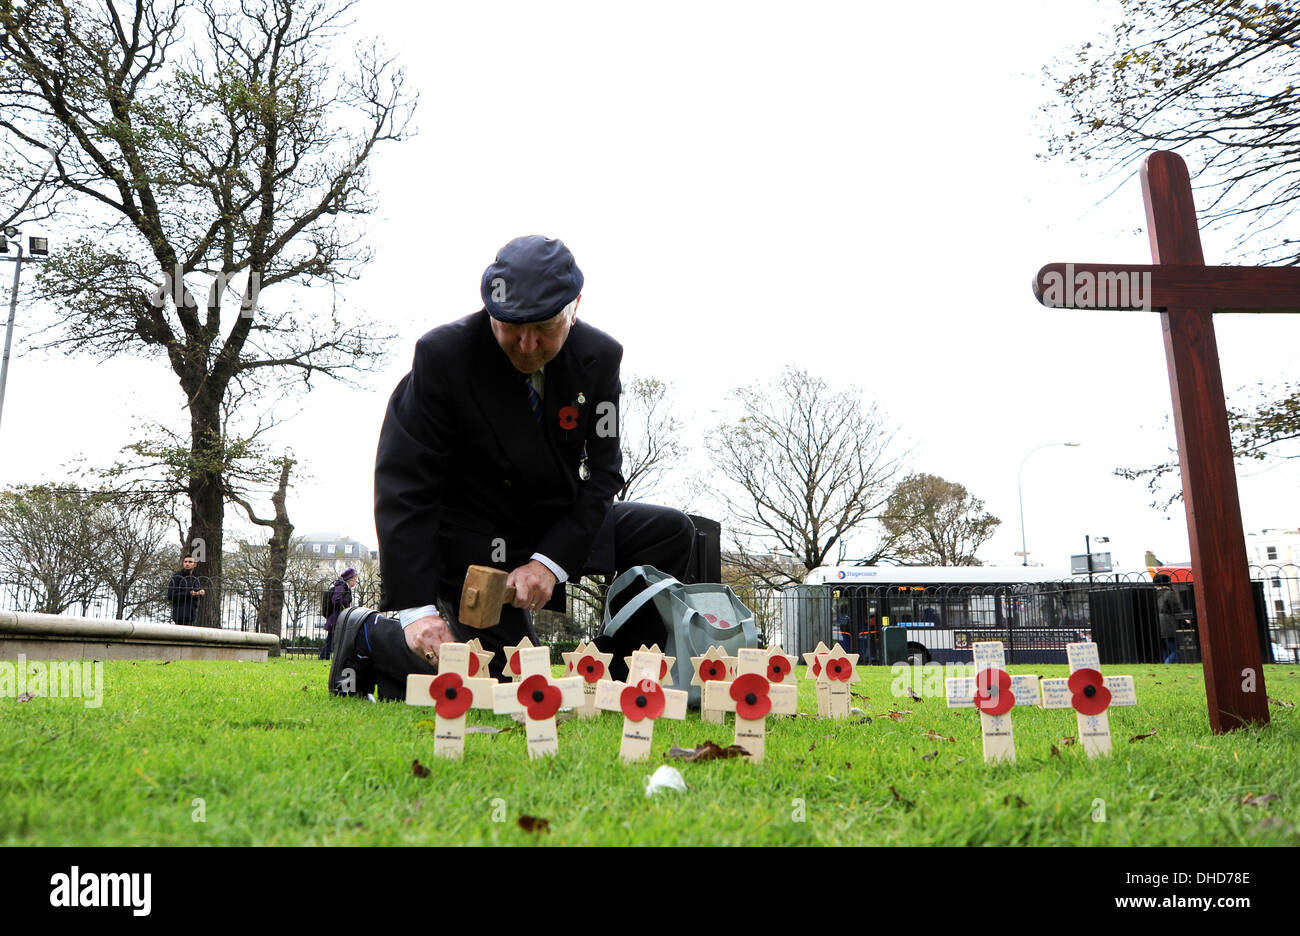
x: 1088, y: 289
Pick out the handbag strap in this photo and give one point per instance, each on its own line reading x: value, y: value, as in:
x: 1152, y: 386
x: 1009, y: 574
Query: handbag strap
x: 636, y: 604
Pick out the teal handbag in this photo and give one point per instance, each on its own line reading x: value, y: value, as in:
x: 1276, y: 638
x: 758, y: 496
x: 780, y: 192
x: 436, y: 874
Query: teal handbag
x: 696, y: 616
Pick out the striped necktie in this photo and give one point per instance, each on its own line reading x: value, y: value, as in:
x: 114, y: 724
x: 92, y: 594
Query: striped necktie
x: 534, y: 400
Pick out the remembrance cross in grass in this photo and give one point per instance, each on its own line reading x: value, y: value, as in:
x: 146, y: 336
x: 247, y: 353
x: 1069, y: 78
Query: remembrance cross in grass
x: 1188, y: 293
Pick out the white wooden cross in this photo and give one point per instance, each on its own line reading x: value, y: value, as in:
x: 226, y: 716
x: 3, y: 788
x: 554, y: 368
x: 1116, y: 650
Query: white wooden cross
x: 1089, y: 694
x: 641, y: 700
x: 814, y: 659
x: 665, y: 675
x: 837, y: 672
x: 512, y: 667
x: 752, y: 697
x: 453, y: 692
x: 994, y: 692
x: 713, y: 666
x: 537, y: 696
x: 589, y: 664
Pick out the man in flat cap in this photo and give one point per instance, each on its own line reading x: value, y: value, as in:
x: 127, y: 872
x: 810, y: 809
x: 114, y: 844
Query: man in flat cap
x: 501, y: 448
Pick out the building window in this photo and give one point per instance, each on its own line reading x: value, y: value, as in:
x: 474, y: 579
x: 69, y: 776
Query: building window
x: 1277, y: 582
x: 348, y: 549
x: 1278, y: 605
x: 315, y: 547
x: 1272, y: 552
x: 330, y: 549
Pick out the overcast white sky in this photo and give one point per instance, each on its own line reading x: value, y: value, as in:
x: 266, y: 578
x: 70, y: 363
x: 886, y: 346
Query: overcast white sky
x: 851, y: 188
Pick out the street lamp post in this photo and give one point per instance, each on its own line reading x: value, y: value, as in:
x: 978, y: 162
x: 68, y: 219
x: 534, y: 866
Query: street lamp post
x: 1087, y: 548
x: 1020, y: 486
x: 39, y: 248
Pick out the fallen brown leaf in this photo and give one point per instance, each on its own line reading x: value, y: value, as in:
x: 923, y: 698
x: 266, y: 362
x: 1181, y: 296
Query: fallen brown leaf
x: 304, y: 688
x: 899, y: 798
x: 1056, y: 752
x: 708, y: 751
x: 931, y: 756
x: 27, y: 697
x: 935, y: 736
x: 1143, y: 737
x: 1066, y: 741
x: 534, y: 824
x: 912, y: 693
x: 861, y: 720
x: 1013, y: 800
x: 1282, y: 703
x: 419, y: 769
x: 1250, y: 799
x: 896, y: 715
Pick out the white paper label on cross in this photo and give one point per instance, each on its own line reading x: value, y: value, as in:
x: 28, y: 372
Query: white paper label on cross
x: 452, y: 692
x: 813, y: 658
x: 590, y: 665
x: 1090, y: 694
x: 837, y: 673
x: 538, y: 696
x: 994, y: 692
x: 665, y: 675
x: 752, y: 696
x: 641, y: 700
x: 713, y: 666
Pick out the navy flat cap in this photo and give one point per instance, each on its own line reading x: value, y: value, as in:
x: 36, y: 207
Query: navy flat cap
x: 531, y: 280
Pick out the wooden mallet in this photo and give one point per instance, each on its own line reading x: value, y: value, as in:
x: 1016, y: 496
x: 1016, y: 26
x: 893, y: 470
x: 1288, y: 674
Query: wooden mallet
x: 483, y: 595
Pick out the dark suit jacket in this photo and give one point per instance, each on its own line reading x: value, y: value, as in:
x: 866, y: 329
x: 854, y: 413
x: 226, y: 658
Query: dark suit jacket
x: 464, y: 469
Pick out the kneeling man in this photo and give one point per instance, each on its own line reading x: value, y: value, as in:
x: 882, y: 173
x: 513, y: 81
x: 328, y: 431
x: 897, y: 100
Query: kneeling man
x: 501, y: 448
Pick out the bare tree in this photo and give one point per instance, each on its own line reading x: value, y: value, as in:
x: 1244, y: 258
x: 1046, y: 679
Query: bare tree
x: 803, y: 468
x: 128, y: 551
x: 1218, y: 80
x: 238, y: 154
x: 936, y: 522
x: 45, y: 534
x: 651, y: 436
x: 277, y: 550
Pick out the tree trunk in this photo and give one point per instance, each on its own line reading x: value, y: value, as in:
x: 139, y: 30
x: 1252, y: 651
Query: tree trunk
x: 207, y: 500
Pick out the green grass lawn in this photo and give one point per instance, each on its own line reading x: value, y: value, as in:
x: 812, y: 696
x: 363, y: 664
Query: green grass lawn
x: 265, y: 756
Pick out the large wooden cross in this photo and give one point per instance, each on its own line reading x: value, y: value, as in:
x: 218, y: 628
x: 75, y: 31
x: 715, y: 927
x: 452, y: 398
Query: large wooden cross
x: 1187, y: 293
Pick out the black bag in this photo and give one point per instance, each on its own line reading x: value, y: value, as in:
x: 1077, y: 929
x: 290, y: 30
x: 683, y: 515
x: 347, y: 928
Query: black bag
x: 327, y: 602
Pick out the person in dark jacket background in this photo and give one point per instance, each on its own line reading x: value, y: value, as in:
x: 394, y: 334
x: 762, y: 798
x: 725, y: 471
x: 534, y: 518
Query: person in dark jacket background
x: 340, y: 598
x: 1170, y: 610
x: 185, y: 591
